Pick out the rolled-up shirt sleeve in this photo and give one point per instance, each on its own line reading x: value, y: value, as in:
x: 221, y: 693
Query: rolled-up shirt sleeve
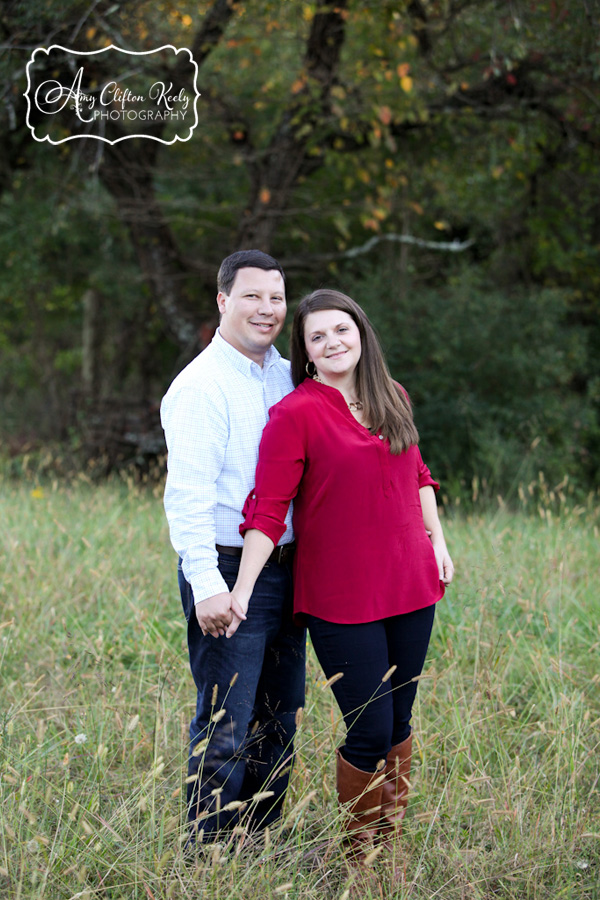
x: 281, y: 459
x: 425, y: 477
x: 196, y: 431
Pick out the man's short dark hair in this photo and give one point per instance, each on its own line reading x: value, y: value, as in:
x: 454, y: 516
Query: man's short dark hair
x: 244, y: 259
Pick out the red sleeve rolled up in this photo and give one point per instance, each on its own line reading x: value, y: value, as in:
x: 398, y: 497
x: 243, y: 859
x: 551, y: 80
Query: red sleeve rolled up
x: 425, y: 477
x: 281, y: 459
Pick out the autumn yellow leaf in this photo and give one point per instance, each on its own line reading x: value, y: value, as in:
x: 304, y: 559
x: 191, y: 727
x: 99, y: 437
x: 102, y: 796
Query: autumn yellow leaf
x: 90, y: 33
x: 297, y: 85
x: 371, y: 224
x: 186, y: 20
x: 417, y: 208
x: 440, y: 225
x: 403, y: 70
x: 265, y: 195
x: 406, y: 83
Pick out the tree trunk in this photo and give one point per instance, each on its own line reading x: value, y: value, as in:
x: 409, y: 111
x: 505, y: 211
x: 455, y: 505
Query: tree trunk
x: 91, y: 345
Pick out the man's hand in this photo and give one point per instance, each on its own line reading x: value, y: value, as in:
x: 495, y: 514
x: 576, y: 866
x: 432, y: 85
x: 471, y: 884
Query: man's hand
x: 214, y: 614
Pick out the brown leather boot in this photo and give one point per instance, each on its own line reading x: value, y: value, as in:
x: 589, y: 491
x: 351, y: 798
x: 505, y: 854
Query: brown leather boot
x: 362, y: 792
x: 394, y: 794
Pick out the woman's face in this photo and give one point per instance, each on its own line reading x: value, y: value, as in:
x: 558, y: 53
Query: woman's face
x: 332, y: 342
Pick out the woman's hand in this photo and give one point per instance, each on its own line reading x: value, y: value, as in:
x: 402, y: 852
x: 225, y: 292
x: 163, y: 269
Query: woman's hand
x: 445, y: 564
x: 239, y: 608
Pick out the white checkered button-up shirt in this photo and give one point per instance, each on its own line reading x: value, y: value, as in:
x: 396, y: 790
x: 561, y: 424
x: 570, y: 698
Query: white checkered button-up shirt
x: 213, y: 416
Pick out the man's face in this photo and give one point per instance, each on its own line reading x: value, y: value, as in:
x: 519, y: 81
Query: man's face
x: 253, y: 313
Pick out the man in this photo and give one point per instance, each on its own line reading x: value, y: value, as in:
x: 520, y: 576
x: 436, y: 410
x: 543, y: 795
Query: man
x: 250, y: 686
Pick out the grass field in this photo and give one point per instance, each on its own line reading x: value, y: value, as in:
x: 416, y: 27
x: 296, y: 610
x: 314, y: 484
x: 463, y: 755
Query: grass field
x: 95, y: 698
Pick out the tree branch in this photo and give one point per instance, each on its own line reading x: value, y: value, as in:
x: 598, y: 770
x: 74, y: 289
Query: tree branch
x: 441, y: 246
x: 275, y: 173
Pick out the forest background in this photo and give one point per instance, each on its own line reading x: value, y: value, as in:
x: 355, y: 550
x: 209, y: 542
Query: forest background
x: 436, y: 159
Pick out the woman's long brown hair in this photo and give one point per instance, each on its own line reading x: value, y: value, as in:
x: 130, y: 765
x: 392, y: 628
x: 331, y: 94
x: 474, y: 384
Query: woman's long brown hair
x: 386, y: 408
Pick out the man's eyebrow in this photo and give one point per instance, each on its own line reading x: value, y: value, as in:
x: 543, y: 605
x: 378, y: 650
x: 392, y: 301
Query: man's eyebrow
x: 252, y: 290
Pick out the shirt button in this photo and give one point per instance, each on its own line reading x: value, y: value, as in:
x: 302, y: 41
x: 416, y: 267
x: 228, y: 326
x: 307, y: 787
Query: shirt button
x: 254, y: 496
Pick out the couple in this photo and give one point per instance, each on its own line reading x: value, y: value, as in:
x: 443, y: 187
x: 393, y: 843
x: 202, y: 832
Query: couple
x: 363, y: 571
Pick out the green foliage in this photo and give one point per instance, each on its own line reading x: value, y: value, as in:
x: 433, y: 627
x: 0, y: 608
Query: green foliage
x: 57, y: 241
x: 490, y: 374
x: 475, y: 121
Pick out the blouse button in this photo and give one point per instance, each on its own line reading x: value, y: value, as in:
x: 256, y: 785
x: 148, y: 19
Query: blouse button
x: 380, y: 437
x: 254, y: 496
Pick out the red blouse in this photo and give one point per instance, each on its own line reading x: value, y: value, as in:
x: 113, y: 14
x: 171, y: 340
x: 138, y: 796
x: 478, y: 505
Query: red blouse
x: 362, y: 550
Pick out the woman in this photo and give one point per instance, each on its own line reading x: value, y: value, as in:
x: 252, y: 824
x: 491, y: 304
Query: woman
x: 371, y: 560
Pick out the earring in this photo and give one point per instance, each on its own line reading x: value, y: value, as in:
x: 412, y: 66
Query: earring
x: 310, y: 363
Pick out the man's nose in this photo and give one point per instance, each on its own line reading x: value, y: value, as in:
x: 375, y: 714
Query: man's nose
x: 265, y: 307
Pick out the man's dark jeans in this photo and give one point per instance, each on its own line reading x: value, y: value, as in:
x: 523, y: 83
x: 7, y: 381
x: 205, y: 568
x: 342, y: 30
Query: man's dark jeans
x: 257, y: 679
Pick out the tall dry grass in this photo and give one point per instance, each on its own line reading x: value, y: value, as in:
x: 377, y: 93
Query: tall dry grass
x: 95, y: 698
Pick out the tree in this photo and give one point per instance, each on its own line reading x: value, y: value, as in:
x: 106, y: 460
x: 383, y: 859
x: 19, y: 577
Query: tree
x: 330, y: 127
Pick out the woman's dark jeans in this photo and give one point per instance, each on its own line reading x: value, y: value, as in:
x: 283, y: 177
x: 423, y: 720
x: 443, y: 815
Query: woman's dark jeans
x: 377, y: 714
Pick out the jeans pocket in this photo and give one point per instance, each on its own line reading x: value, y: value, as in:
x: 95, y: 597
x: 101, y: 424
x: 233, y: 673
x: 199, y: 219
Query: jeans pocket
x: 229, y: 567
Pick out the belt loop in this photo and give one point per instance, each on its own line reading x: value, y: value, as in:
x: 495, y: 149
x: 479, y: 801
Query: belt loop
x: 280, y: 553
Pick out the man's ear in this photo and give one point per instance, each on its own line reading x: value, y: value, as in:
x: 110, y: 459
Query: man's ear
x: 221, y: 298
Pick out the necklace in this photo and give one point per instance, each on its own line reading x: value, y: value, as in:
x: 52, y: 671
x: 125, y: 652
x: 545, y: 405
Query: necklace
x: 353, y: 407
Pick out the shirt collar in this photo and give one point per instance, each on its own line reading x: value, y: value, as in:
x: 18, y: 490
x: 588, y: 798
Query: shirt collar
x: 246, y: 366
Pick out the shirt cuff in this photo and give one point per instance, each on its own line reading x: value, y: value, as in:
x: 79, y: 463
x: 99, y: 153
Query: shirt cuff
x: 207, y: 584
x: 425, y: 480
x: 262, y: 514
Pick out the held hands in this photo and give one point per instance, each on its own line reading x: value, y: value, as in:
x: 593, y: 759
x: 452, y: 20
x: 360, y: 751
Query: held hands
x: 216, y: 614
